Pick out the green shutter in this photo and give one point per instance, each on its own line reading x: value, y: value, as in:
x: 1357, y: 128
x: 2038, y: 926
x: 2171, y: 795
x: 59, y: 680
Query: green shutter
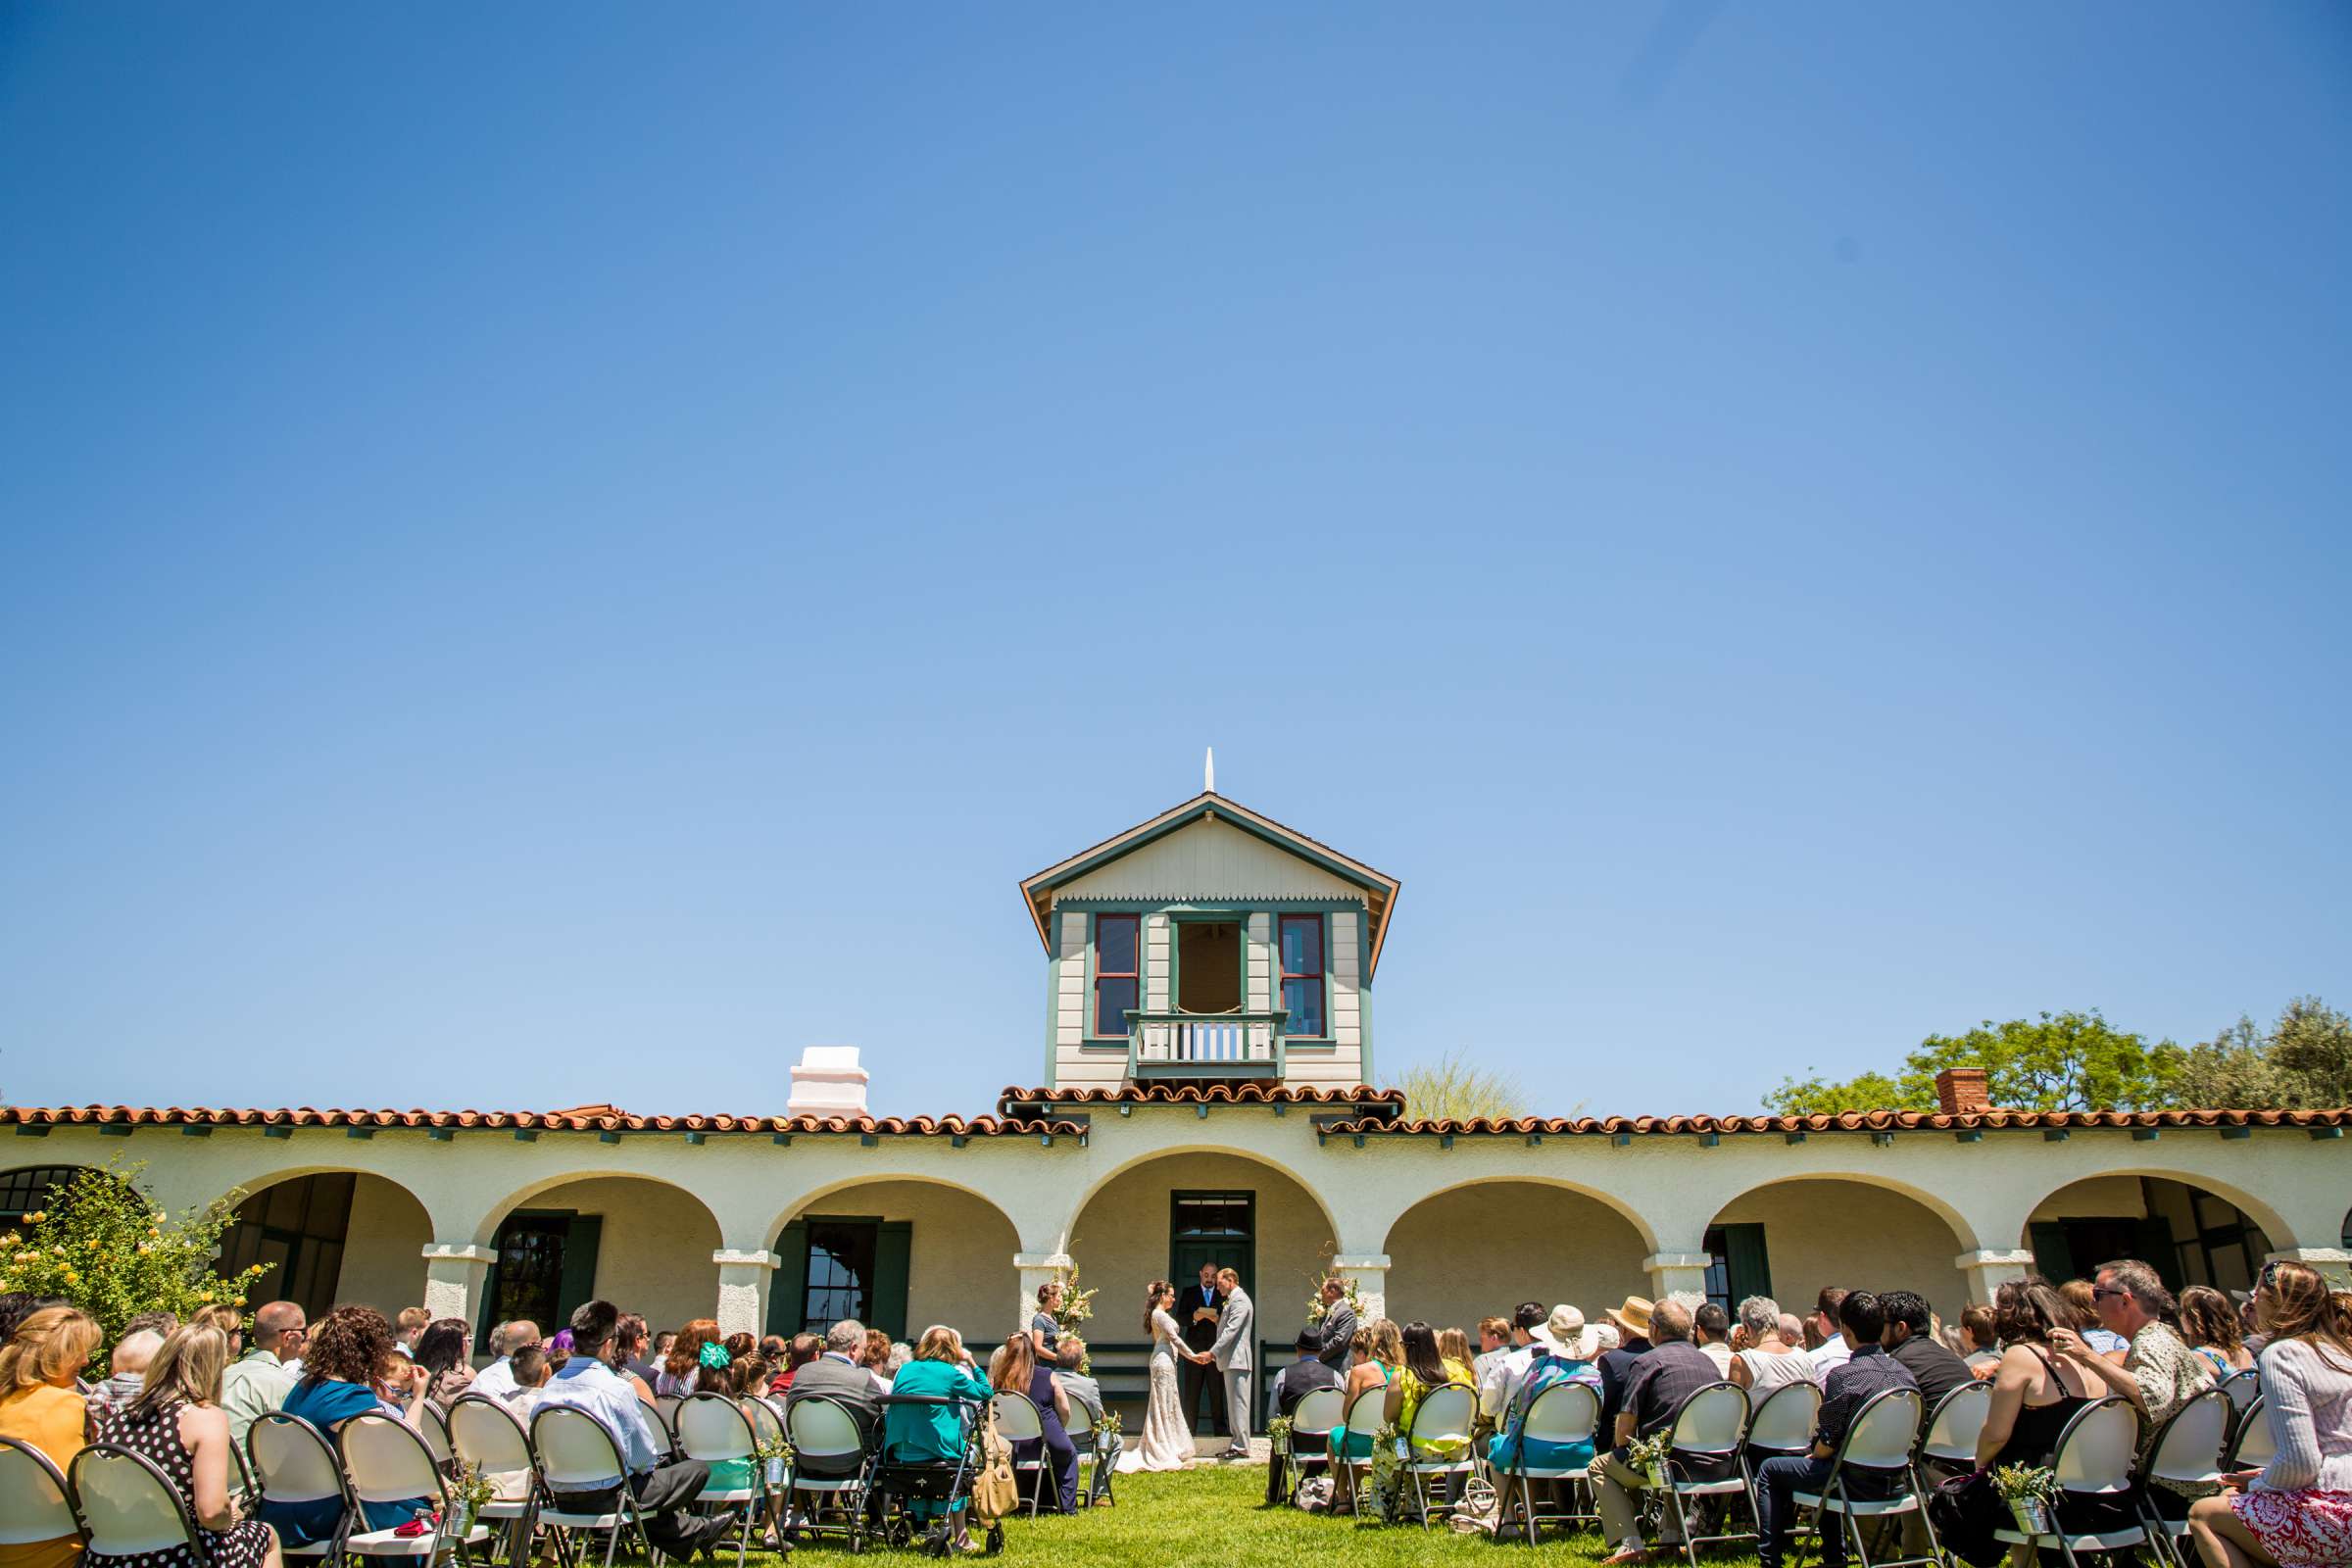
x: 577, y: 1288
x: 893, y: 1245
x: 1747, y: 1268
x: 788, y: 1288
x: 2053, y: 1258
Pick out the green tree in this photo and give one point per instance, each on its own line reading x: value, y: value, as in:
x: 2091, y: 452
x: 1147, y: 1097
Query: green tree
x: 105, y: 1244
x: 2057, y: 1061
x: 1452, y: 1087
x: 2304, y: 1060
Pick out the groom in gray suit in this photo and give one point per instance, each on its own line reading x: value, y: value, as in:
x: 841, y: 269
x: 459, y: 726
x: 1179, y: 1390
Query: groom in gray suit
x: 1235, y: 1352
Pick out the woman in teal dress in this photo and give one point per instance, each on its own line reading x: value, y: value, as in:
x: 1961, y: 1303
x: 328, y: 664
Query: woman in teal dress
x: 1379, y: 1349
x: 921, y: 1433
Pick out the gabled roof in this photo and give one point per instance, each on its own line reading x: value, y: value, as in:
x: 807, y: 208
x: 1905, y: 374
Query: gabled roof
x: 1380, y: 888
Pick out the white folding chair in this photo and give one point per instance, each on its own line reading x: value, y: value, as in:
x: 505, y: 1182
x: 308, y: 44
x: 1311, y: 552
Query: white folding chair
x: 2242, y: 1389
x: 1441, y: 1422
x: 1565, y: 1412
x: 293, y: 1463
x: 1366, y: 1414
x: 1312, y: 1421
x: 34, y: 1506
x: 484, y: 1434
x: 717, y: 1429
x: 2095, y: 1459
x: 387, y: 1460
x: 1953, y: 1425
x: 2252, y: 1446
x: 823, y: 1429
x: 575, y: 1454
x: 2187, y: 1448
x: 1781, y: 1425
x: 128, y: 1506
x: 1017, y: 1422
x: 435, y: 1432
x: 1081, y: 1428
x: 1703, y: 1459
x: 1879, y: 1444
x: 666, y: 1420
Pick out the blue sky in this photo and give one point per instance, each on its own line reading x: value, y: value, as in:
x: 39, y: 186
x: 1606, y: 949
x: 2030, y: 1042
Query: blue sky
x: 554, y: 553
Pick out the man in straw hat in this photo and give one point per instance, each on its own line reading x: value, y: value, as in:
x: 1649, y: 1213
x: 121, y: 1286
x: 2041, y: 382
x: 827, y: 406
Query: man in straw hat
x: 1663, y: 1376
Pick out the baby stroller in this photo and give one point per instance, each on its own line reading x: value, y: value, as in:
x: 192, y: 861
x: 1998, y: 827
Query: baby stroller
x: 918, y: 1497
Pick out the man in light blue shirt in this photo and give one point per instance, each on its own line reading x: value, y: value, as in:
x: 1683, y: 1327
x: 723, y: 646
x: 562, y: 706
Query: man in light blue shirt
x: 591, y: 1382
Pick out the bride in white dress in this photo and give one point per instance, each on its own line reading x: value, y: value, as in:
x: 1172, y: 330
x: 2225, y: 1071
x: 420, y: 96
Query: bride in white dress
x: 1166, y: 1444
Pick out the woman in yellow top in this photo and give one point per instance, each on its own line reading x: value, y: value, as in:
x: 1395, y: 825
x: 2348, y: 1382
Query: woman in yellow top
x: 1425, y: 1372
x: 41, y: 1406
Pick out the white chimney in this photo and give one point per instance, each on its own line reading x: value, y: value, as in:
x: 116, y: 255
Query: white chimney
x: 827, y: 1082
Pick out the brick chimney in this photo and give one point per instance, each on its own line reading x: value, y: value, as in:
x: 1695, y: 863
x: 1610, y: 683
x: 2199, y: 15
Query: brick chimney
x: 1962, y: 1090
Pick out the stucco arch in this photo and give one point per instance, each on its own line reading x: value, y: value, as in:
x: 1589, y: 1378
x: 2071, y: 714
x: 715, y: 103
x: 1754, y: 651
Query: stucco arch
x: 1609, y: 1200
x: 2274, y: 1226
x: 376, y: 1258
x: 1480, y: 1246
x: 1065, y: 1232
x: 486, y: 1230
x: 1815, y: 1225
x: 828, y: 1190
x: 1963, y: 1230
x: 961, y: 1245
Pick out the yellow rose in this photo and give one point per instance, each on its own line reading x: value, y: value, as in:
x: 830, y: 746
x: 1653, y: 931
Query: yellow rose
x: 34, y: 1219
x: 71, y: 1276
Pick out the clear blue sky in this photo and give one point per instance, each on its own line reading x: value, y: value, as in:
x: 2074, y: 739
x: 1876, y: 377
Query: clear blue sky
x: 555, y: 553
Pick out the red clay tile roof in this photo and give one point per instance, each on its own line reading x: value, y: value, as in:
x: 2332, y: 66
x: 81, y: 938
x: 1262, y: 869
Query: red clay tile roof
x: 1853, y: 1121
x: 582, y: 1118
x: 1378, y: 1106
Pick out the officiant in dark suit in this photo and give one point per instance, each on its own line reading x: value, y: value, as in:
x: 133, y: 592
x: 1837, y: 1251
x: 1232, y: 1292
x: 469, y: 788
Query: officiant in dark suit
x: 1196, y: 1309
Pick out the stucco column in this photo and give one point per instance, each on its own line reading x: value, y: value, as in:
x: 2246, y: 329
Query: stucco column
x: 743, y: 1279
x: 1670, y: 1272
x: 1037, y: 1270
x: 2333, y: 1263
x: 1989, y: 1268
x: 1370, y: 1273
x: 453, y: 1274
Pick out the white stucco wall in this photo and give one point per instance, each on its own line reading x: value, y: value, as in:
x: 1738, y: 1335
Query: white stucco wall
x: 655, y: 1253
x: 1477, y: 1251
x: 383, y: 1250
x: 959, y: 1264
x: 1823, y: 1233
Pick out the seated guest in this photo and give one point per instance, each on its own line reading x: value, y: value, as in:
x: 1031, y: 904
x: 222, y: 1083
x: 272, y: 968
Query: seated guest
x: 176, y: 1423
x: 1499, y: 1378
x: 497, y: 1380
x: 2298, y: 1508
x: 836, y: 1374
x: 665, y: 1492
x: 875, y: 1358
x: 1710, y: 1331
x: 2159, y: 1373
x: 228, y: 1321
x: 682, y: 1369
x: 1660, y: 1379
x: 1769, y: 1359
x: 1908, y: 1338
x: 132, y: 1351
x: 799, y: 1351
x: 1425, y: 1372
x: 1984, y: 1347
x: 2210, y: 1326
x: 260, y: 1379
x: 1632, y: 1321
x: 2081, y: 1300
x: 1822, y: 1332
x: 348, y: 1357
x: 2036, y: 1391
x: 933, y: 1434
x: 528, y: 1373
x: 1303, y: 1377
x: 1454, y: 1346
x: 1866, y: 1371
x: 1564, y: 1347
x: 1015, y: 1370
x: 41, y: 1406
x: 160, y: 1324
x: 1494, y: 1342
x: 636, y: 1347
x: 1083, y: 1391
x: 1379, y: 1352
x: 446, y: 1349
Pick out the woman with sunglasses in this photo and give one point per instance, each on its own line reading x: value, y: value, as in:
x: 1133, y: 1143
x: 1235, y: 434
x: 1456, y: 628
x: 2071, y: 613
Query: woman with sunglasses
x: 2298, y: 1509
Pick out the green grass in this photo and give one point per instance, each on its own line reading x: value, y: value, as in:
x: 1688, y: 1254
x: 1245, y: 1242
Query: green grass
x: 1216, y: 1518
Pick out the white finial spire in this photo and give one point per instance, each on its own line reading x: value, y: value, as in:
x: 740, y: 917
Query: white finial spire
x: 1208, y: 772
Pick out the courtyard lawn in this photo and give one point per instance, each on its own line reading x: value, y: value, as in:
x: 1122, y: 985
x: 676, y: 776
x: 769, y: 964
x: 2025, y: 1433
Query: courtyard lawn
x: 1216, y: 1516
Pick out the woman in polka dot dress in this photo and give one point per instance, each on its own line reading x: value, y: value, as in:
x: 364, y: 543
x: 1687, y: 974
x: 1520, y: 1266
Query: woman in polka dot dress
x: 178, y: 1422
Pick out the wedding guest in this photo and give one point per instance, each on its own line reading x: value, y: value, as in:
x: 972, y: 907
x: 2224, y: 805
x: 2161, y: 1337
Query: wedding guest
x: 1425, y: 1371
x: 1379, y: 1352
x: 1710, y: 1330
x: 1454, y: 1346
x: 799, y: 1351
x: 1769, y: 1360
x: 1083, y: 1391
x: 2159, y: 1372
x: 1909, y: 1337
x: 875, y: 1357
x: 836, y: 1374
x: 1632, y: 1321
x: 1867, y: 1372
x: 2298, y: 1508
x: 2209, y: 1323
x: 349, y: 1357
x: 39, y: 1405
x: 2036, y: 1391
x: 407, y: 1328
x: 129, y: 1369
x: 682, y: 1369
x: 1301, y: 1378
x: 1499, y: 1378
x: 1017, y: 1370
x: 1983, y: 1353
x: 923, y: 1433
x: 260, y: 1379
x: 446, y: 1349
x: 497, y: 1380
x: 530, y: 1372
x: 1564, y: 1347
x: 1669, y: 1371
x: 637, y: 1344
x: 1823, y: 1333
x: 177, y: 1424
x: 1494, y: 1342
x: 2083, y: 1316
x: 228, y: 1321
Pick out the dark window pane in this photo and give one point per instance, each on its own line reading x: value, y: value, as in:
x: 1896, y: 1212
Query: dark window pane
x: 1305, y: 1000
x: 841, y: 1272
x: 1114, y: 944
x: 1112, y: 999
x: 1301, y: 944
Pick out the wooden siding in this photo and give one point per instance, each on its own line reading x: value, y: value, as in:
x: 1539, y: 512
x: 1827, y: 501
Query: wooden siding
x: 1157, y: 970
x: 1258, y: 988
x: 1069, y: 980
x: 1209, y: 859
x: 1344, y: 966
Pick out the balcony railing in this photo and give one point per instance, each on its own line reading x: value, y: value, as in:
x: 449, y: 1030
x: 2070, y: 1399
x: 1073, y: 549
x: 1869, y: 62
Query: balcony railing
x: 1184, y: 1045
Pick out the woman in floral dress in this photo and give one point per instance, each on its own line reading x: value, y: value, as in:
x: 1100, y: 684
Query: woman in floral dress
x: 2298, y: 1509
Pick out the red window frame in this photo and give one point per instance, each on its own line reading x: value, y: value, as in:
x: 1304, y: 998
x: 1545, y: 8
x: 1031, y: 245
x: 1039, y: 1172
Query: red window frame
x: 1320, y: 976
x: 1094, y: 1021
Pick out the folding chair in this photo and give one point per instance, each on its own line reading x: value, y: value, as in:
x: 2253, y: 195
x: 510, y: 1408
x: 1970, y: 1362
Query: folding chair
x: 1366, y: 1414
x: 293, y: 1462
x: 1709, y: 1429
x: 1565, y: 1412
x: 1781, y: 1425
x: 1091, y: 1468
x: 2242, y: 1389
x: 575, y: 1452
x: 1442, y: 1420
x: 2250, y: 1445
x: 666, y: 1421
x: 1879, y: 1443
x: 1950, y: 1441
x: 435, y: 1432
x: 825, y: 1428
x: 34, y: 1506
x: 2095, y: 1459
x: 714, y: 1429
x: 1018, y: 1422
x: 1312, y: 1421
x: 128, y: 1506
x: 2187, y: 1447
x: 387, y: 1460
x: 484, y: 1434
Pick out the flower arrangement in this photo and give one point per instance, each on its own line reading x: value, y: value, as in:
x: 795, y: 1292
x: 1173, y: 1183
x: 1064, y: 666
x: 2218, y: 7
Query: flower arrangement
x: 1278, y: 1435
x: 103, y: 1244
x: 470, y: 1492
x: 1109, y: 1424
x: 2030, y: 1491
x: 772, y: 1453
x: 1075, y: 1308
x: 1648, y: 1454
x: 1384, y: 1493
